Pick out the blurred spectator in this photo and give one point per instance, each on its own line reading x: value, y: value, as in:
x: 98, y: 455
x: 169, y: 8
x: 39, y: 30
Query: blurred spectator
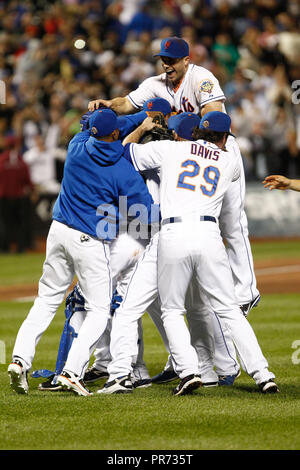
x: 55, y: 57
x: 15, y: 206
x: 289, y: 37
x: 282, y: 154
x: 280, y: 90
x: 226, y: 53
x: 41, y: 162
x: 198, y: 52
x: 54, y: 129
x: 235, y: 90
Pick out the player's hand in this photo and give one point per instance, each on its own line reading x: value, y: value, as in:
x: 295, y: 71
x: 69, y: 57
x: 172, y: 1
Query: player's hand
x: 148, y: 124
x: 276, y: 182
x: 96, y: 104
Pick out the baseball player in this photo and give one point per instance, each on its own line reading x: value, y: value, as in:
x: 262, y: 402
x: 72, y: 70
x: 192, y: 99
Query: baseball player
x: 194, y: 179
x: 188, y: 87
x: 78, y: 242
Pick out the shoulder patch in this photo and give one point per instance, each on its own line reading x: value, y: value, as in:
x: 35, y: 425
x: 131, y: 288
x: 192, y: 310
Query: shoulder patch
x: 206, y: 86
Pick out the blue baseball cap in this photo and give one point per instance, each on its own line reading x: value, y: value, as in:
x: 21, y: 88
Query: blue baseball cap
x: 184, y: 124
x: 216, y: 121
x: 158, y: 104
x: 173, y: 47
x: 103, y: 122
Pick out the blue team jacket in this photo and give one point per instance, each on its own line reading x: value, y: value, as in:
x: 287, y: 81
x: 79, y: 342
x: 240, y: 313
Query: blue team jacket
x: 95, y: 175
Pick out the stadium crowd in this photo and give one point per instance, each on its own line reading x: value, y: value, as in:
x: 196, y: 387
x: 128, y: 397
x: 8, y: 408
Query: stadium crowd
x: 57, y: 56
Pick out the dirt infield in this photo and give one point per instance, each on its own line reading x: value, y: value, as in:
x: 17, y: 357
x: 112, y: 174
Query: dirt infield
x: 20, y: 292
x: 273, y: 276
x: 278, y: 276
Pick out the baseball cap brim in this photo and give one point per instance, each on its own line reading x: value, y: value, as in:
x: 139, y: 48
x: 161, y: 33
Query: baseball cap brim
x: 173, y: 56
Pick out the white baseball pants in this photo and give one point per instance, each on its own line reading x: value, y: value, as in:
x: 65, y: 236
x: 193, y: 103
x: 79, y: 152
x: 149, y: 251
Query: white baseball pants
x: 124, y: 253
x: 141, y: 292
x: 197, y: 247
x: 142, y: 295
x: 68, y: 254
x: 234, y: 229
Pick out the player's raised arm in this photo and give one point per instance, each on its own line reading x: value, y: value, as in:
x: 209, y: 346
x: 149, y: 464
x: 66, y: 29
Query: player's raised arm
x: 135, y: 136
x: 121, y: 105
x: 281, y: 182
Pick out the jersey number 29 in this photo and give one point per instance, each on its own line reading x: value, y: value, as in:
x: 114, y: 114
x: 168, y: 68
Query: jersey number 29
x: 211, y: 175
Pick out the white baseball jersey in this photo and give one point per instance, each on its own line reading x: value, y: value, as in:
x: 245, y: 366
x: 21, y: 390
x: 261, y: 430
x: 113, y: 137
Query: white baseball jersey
x: 198, y: 87
x: 194, y: 175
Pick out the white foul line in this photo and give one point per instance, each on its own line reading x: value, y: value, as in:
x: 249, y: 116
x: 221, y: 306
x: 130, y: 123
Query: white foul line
x: 29, y: 298
x: 278, y: 270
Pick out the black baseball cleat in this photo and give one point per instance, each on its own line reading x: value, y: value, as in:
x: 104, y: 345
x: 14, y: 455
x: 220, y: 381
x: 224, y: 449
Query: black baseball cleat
x: 120, y: 385
x: 164, y: 377
x: 93, y: 374
x: 247, y: 307
x: 187, y: 385
x: 268, y: 387
x: 48, y: 386
x: 142, y: 383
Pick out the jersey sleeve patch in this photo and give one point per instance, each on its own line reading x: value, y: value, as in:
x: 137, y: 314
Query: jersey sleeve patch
x: 206, y: 86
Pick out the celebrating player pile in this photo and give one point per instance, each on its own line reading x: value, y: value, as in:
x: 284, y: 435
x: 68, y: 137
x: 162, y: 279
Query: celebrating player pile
x: 202, y: 190
x: 194, y: 179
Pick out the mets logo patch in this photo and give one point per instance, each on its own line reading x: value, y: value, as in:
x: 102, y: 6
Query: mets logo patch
x: 206, y: 86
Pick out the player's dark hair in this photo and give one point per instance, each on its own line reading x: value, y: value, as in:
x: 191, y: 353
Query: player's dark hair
x: 209, y: 136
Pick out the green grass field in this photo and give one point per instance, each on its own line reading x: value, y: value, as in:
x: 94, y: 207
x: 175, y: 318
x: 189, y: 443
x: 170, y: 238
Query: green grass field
x: 223, y: 418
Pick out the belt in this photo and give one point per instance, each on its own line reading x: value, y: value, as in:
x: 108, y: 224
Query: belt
x: 202, y: 218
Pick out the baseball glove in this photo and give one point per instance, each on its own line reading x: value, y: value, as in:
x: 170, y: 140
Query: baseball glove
x: 157, y: 133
